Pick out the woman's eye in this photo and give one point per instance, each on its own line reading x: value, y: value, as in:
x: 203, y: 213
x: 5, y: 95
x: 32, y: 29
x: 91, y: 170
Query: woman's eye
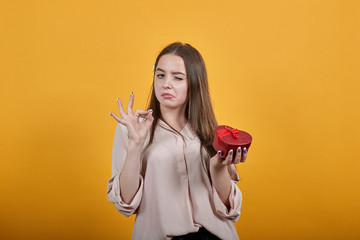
x: 178, y: 78
x: 160, y: 75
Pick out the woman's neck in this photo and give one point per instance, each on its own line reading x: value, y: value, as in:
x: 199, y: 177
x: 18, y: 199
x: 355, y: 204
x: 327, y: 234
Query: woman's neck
x: 174, y: 117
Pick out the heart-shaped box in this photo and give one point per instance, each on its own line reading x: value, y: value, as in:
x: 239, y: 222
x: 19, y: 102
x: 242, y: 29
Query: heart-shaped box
x: 227, y: 138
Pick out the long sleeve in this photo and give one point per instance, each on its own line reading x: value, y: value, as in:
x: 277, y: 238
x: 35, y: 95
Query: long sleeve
x: 119, y: 152
x: 235, y: 198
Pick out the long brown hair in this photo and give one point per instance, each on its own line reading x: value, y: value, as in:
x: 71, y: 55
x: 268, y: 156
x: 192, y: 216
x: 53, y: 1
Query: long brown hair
x: 199, y: 112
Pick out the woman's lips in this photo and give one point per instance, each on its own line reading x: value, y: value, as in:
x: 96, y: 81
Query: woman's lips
x: 167, y: 95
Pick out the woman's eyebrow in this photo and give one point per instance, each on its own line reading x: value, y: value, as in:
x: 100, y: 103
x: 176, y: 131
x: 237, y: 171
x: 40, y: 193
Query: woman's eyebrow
x: 178, y: 73
x: 159, y: 69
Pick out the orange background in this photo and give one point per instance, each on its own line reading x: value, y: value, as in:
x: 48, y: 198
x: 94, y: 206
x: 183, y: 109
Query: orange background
x: 285, y: 71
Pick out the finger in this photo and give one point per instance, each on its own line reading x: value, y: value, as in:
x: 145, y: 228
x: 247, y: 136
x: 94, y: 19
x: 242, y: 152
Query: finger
x: 121, y: 109
x: 139, y: 113
x: 130, y: 104
x: 120, y: 120
x: 149, y: 118
x: 238, y: 156
x: 244, y: 155
x: 221, y: 153
x: 228, y: 158
x: 218, y: 157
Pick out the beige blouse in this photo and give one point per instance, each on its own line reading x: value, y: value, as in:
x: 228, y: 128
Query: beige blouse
x: 175, y: 196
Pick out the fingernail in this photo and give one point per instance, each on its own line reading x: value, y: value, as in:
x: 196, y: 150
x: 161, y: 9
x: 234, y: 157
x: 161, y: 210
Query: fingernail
x: 150, y: 110
x: 219, y: 152
x: 110, y: 113
x: 117, y: 99
x: 231, y: 152
x: 245, y: 151
x: 131, y: 93
x: 239, y: 149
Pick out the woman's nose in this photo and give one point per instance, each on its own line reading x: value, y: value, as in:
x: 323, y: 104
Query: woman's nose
x: 167, y: 83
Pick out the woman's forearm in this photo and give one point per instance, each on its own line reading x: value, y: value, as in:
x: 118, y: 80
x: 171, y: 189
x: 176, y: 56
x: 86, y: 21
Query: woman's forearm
x: 130, y: 174
x: 221, y: 181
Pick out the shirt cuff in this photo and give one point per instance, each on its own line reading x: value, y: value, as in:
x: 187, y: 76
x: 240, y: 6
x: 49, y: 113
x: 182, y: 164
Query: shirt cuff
x: 235, y: 199
x: 113, y: 195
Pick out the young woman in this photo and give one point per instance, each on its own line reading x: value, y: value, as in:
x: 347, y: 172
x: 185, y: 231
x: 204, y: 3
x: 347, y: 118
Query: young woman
x: 164, y: 168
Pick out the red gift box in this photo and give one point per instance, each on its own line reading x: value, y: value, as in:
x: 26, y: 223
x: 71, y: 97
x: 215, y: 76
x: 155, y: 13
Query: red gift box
x: 227, y: 138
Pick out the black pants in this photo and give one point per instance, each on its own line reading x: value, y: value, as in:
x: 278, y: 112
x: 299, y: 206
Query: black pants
x: 202, y: 234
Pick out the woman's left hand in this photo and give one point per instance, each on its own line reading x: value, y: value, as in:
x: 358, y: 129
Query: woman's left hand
x: 220, y: 160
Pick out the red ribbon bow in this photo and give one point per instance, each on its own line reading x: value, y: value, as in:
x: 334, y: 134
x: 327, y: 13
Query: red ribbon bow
x: 226, y: 131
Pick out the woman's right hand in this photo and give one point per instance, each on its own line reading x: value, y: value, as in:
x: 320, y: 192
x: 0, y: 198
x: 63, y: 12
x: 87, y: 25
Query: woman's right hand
x: 137, y: 129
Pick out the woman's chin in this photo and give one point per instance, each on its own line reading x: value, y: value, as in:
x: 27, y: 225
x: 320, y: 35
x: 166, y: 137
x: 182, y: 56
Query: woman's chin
x: 169, y: 105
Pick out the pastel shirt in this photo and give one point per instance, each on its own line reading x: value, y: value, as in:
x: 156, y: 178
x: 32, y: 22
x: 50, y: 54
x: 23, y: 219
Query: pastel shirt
x: 175, y: 196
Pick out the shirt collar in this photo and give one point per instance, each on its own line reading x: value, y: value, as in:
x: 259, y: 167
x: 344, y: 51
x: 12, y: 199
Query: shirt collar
x: 187, y: 132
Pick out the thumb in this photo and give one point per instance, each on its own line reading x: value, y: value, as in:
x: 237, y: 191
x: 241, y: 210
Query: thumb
x: 149, y: 118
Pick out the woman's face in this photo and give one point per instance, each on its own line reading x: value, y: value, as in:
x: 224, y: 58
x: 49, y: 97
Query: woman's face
x: 170, y: 82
